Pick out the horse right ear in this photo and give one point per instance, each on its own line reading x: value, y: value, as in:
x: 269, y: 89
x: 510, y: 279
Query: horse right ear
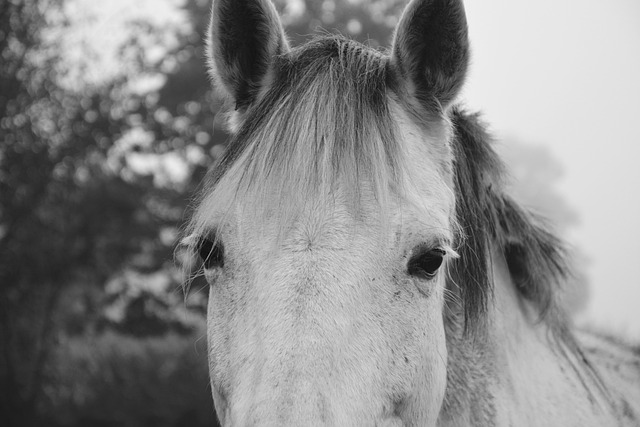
x: 431, y: 50
x: 244, y: 38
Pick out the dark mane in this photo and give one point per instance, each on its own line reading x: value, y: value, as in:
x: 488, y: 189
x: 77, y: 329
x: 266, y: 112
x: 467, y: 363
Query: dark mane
x: 488, y: 216
x: 490, y: 221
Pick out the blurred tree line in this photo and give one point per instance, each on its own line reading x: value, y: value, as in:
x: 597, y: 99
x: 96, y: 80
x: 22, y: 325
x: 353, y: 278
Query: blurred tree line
x: 95, y: 178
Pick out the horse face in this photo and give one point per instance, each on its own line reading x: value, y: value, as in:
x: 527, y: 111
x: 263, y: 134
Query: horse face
x: 327, y: 285
x: 329, y: 328
x: 339, y: 320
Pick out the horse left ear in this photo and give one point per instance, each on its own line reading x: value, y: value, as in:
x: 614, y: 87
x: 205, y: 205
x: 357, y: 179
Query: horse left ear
x: 244, y: 38
x: 431, y: 50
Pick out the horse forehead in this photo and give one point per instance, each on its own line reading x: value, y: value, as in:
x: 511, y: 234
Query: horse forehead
x: 318, y: 226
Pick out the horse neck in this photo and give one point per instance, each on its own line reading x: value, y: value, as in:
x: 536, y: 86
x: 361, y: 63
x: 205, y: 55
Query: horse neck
x: 517, y: 371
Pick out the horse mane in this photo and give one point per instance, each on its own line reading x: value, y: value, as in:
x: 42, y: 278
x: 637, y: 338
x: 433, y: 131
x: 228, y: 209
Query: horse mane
x: 490, y: 219
x: 536, y: 258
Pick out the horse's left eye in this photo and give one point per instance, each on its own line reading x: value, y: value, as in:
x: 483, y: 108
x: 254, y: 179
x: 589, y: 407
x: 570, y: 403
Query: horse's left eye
x: 211, y: 252
x: 424, y: 264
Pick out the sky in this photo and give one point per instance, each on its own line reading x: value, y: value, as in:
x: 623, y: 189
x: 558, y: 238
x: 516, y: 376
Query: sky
x: 566, y: 75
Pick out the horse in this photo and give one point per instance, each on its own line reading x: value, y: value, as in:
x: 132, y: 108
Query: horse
x: 366, y: 265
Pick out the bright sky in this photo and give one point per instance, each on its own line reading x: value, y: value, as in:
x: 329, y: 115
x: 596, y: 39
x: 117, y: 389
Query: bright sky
x: 566, y: 74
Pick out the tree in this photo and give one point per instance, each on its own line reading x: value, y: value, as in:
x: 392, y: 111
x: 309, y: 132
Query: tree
x: 70, y: 215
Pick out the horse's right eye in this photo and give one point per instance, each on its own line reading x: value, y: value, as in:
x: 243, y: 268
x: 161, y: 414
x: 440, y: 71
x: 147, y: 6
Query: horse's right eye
x: 211, y: 252
x: 425, y: 263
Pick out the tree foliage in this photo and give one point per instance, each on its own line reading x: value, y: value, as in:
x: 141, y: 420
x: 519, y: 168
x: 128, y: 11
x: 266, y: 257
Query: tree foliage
x: 73, y: 214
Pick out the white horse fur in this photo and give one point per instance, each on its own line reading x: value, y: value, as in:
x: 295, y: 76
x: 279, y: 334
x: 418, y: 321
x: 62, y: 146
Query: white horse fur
x: 350, y: 176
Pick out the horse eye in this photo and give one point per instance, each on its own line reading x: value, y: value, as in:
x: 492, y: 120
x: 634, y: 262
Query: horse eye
x: 425, y: 263
x: 212, y: 254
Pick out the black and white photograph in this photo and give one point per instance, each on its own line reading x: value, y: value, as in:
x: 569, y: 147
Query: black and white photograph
x: 287, y: 213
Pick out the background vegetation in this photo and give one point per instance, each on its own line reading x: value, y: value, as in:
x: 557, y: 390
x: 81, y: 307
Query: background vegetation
x: 107, y: 126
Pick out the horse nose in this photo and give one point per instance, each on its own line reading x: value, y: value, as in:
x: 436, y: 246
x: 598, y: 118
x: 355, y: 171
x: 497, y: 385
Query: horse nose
x: 306, y: 405
x: 288, y: 405
x: 392, y: 421
x: 318, y: 411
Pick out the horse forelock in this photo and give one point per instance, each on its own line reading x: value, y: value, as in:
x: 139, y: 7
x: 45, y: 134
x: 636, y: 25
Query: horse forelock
x: 324, y: 120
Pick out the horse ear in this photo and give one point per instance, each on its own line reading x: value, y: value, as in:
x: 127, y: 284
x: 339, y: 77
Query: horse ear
x: 244, y: 38
x: 431, y: 50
